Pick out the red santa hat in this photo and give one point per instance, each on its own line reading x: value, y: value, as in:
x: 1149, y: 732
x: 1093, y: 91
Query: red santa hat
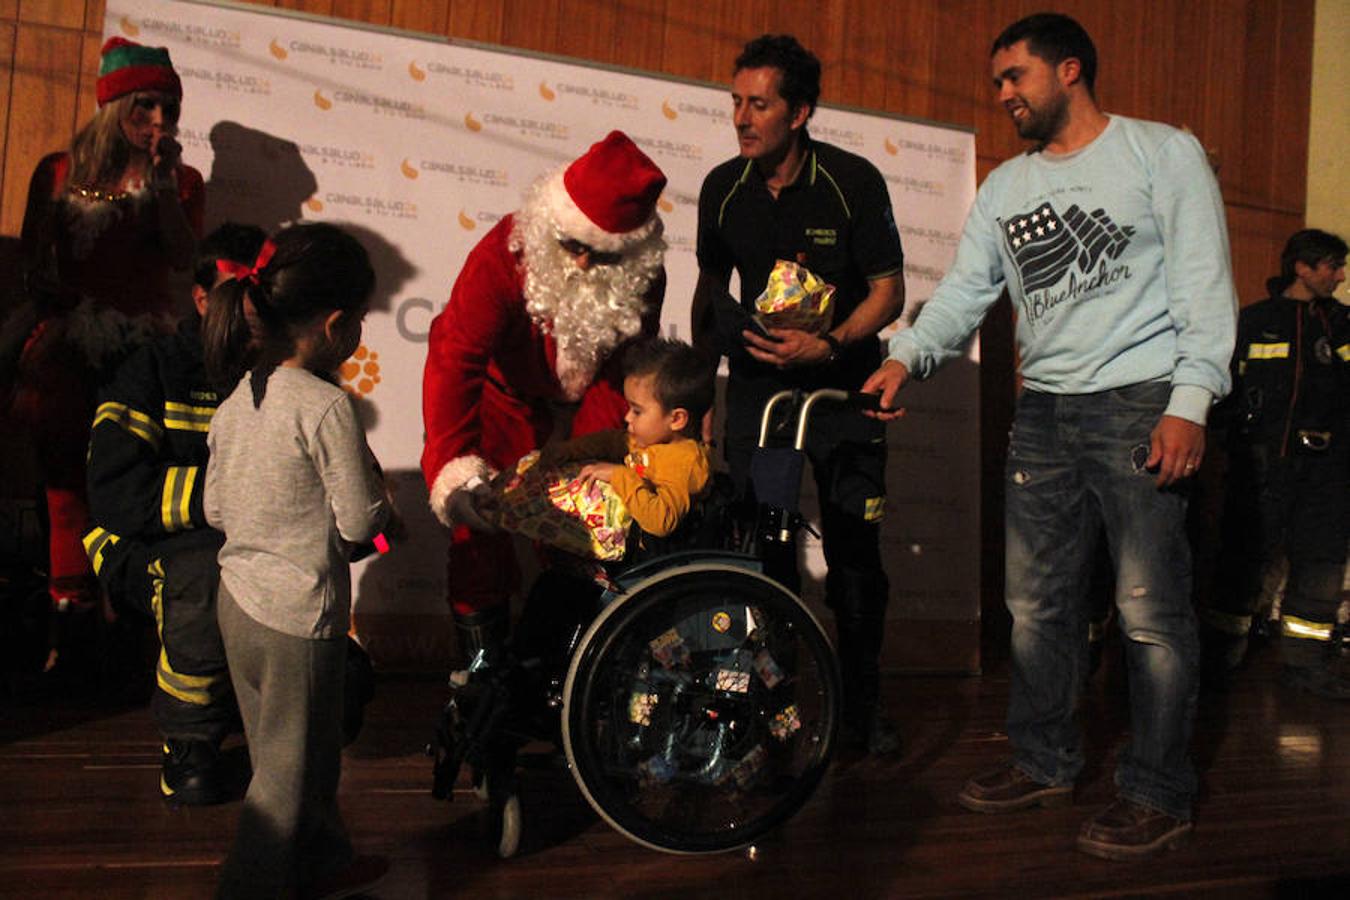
x: 126, y: 66
x: 607, y: 198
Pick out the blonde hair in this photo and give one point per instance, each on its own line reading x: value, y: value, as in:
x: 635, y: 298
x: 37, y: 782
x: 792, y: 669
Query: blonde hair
x: 100, y: 152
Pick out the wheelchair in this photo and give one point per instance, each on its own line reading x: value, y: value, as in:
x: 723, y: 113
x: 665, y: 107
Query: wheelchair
x: 696, y: 699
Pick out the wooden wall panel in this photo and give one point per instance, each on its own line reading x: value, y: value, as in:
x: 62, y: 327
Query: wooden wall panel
x: 7, y: 33
x: 1251, y: 176
x: 317, y: 7
x: 86, y: 98
x: 591, y: 32
x: 906, y: 63
x: 641, y: 30
x: 477, y: 20
x: 1289, y: 117
x: 702, y: 39
x: 42, y: 115
x: 60, y: 13
x: 1257, y: 237
x: 431, y: 16
x: 93, y: 15
x: 371, y: 12
x: 532, y: 25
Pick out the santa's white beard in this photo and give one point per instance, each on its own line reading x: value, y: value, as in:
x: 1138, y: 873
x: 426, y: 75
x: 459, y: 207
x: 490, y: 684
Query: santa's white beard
x: 591, y: 311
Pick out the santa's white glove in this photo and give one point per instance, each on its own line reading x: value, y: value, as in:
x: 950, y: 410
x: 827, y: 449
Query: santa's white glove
x: 463, y: 505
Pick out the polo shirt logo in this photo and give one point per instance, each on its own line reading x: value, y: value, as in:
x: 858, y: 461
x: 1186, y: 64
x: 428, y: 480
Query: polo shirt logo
x: 823, y: 237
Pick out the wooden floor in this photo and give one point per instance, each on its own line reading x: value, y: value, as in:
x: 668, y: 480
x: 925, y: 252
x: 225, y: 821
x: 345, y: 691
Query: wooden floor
x: 80, y: 814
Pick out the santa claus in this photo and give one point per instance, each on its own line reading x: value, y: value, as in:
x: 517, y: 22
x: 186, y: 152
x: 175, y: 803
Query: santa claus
x: 533, y: 322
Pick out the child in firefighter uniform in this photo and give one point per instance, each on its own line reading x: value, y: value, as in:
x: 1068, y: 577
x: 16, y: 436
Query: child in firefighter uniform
x: 150, y: 545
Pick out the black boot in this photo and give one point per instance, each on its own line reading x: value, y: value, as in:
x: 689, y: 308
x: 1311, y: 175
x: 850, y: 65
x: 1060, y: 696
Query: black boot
x: 191, y: 773
x: 482, y: 637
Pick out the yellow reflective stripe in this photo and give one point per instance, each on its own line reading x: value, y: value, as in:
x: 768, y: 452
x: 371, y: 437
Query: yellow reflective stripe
x: 95, y: 542
x: 1293, y: 626
x: 131, y: 420
x: 1228, y: 623
x: 183, y: 417
x: 194, y: 689
x: 176, y: 499
x: 1268, y: 351
x: 1343, y: 351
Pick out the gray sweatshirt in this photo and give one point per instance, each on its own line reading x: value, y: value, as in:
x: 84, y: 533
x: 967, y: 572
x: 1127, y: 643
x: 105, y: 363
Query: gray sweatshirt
x: 293, y: 486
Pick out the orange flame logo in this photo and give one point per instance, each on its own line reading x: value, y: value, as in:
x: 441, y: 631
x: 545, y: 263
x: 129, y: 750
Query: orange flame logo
x: 890, y: 148
x: 361, y: 373
x: 471, y: 123
x: 277, y: 50
x: 668, y: 111
x: 314, y: 204
x: 321, y: 101
x: 409, y: 171
x: 546, y: 92
x: 416, y: 73
x: 465, y: 222
x: 129, y: 28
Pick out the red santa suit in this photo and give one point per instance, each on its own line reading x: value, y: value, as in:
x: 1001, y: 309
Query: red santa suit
x: 494, y: 369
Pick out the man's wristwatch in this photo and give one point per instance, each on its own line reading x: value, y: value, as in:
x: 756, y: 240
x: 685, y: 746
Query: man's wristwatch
x: 836, y: 348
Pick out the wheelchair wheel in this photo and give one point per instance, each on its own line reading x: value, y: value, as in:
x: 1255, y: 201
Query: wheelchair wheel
x: 700, y: 709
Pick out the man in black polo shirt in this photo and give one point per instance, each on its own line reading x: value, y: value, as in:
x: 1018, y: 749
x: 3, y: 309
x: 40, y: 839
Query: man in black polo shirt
x: 789, y: 197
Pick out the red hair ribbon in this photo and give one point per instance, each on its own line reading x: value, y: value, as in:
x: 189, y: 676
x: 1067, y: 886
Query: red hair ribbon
x: 241, y: 272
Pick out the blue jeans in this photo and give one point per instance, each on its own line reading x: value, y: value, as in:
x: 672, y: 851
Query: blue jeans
x: 1075, y: 467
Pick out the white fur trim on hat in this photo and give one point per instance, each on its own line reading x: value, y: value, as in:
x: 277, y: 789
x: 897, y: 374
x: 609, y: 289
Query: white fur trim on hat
x: 453, y: 476
x: 573, y: 223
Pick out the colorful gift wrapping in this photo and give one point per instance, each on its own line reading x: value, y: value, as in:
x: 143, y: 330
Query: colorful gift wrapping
x: 555, y: 508
x: 795, y: 298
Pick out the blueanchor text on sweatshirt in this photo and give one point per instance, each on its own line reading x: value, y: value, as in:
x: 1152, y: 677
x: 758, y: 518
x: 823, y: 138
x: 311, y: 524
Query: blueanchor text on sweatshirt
x: 1046, y: 247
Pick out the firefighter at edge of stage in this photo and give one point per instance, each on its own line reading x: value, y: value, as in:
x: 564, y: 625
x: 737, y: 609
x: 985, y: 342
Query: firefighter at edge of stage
x: 1289, y: 484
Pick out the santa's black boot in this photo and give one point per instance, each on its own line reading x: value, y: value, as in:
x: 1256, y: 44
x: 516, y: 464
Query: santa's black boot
x: 482, y: 638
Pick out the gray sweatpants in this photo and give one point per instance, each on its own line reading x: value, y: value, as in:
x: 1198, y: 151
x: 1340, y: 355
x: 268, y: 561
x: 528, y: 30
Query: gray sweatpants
x: 290, y: 697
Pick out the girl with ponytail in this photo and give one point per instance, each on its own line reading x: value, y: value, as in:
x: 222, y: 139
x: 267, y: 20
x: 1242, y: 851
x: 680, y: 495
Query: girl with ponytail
x: 294, y: 487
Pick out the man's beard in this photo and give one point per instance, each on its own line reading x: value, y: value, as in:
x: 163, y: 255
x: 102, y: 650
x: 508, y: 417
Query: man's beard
x: 589, y: 312
x: 1043, y: 123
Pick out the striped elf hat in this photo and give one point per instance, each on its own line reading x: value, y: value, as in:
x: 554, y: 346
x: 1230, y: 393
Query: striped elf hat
x: 127, y: 66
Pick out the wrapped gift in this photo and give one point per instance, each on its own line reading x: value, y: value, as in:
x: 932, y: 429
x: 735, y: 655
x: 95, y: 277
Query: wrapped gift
x: 795, y: 298
x: 556, y: 508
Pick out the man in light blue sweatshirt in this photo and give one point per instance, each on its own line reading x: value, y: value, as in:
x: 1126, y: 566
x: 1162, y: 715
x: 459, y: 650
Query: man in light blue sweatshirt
x: 1109, y: 236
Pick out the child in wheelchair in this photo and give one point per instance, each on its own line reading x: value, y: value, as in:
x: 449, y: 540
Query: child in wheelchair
x: 695, y: 697
x: 653, y: 471
x: 657, y: 465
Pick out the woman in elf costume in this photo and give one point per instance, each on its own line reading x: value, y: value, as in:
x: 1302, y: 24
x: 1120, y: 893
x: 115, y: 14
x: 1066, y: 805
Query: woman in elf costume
x: 106, y: 224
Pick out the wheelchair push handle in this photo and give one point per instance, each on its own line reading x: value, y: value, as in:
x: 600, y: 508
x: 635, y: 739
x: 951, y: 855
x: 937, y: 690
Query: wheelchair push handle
x: 860, y: 401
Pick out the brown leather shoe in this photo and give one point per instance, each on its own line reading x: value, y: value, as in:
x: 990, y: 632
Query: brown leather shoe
x: 1128, y: 830
x: 1008, y: 788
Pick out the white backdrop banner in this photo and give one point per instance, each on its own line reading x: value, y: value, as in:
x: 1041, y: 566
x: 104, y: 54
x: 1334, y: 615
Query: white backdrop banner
x: 419, y: 145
